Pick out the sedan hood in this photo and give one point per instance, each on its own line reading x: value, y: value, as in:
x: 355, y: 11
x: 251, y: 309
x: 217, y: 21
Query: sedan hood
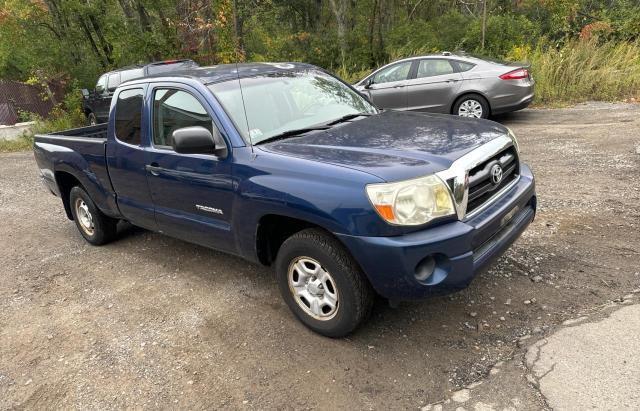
x: 393, y: 145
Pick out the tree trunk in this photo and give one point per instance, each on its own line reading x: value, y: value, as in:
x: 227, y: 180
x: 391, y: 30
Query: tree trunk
x: 92, y: 42
x: 484, y: 21
x: 339, y: 11
x: 238, y: 28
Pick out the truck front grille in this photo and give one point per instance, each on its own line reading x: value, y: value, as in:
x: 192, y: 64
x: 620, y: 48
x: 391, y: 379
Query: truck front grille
x: 481, y: 183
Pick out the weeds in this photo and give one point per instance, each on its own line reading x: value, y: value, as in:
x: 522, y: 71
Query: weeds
x: 582, y: 71
x: 63, y: 116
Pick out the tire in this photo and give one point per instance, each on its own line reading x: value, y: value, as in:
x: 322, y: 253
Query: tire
x: 313, y: 263
x: 94, y: 226
x: 473, y: 105
x: 92, y: 119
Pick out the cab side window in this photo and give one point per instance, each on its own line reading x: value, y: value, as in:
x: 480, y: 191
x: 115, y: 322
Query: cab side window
x: 101, y: 86
x: 129, y: 115
x: 434, y: 67
x: 397, y: 72
x: 174, y: 109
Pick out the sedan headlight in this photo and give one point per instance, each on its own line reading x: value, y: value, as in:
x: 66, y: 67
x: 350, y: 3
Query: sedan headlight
x: 412, y: 202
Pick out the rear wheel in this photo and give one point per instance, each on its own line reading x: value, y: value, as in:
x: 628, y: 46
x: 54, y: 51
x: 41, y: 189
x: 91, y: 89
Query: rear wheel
x: 94, y: 226
x: 471, y: 105
x: 322, y: 284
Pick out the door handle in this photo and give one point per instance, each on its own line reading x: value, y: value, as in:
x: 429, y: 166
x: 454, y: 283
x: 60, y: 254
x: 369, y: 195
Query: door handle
x: 399, y: 86
x: 452, y: 80
x: 153, y: 168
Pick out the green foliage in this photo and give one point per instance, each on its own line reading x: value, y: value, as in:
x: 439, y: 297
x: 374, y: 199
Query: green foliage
x: 73, y: 41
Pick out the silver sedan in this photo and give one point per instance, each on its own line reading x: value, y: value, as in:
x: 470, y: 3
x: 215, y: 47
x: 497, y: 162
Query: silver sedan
x: 452, y: 84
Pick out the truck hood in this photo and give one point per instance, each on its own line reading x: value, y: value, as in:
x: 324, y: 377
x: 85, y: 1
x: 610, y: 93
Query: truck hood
x: 393, y: 145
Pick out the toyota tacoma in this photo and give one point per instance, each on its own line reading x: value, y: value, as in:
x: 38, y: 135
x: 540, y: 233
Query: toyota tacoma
x: 287, y: 166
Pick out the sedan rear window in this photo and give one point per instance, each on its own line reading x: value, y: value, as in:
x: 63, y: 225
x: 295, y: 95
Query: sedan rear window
x: 464, y: 66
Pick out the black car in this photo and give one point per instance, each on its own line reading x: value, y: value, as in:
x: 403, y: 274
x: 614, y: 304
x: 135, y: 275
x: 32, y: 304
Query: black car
x: 96, y: 102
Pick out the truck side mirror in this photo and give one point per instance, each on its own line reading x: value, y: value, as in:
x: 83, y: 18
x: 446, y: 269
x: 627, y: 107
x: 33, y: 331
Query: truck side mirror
x: 85, y: 93
x: 197, y: 140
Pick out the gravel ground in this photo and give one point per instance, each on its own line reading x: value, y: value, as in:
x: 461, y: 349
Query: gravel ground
x: 149, y: 321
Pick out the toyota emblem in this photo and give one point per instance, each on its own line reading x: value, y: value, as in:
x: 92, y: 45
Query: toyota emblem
x: 496, y: 174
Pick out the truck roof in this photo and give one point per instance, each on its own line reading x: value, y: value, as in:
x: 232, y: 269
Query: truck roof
x: 225, y: 72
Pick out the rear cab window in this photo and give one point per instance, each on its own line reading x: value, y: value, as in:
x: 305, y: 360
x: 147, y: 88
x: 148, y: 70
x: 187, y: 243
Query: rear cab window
x: 128, y: 117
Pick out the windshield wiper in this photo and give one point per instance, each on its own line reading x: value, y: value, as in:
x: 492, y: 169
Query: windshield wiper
x: 347, y: 118
x: 299, y: 131
x: 291, y: 133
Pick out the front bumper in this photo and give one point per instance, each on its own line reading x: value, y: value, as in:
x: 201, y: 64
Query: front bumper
x: 460, y: 249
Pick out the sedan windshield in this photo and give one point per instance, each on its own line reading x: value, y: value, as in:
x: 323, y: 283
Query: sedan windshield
x: 279, y: 104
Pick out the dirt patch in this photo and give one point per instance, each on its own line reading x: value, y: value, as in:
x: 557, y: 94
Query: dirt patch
x: 150, y: 321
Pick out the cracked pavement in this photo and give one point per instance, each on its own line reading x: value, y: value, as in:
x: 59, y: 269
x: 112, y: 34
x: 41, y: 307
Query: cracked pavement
x: 587, y: 364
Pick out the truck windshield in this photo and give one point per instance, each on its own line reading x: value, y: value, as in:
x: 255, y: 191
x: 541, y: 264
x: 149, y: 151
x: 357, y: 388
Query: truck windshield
x: 279, y: 103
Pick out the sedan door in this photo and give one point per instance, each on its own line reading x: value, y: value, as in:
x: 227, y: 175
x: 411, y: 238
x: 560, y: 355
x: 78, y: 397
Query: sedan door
x: 192, y: 193
x: 387, y: 88
x: 434, y: 87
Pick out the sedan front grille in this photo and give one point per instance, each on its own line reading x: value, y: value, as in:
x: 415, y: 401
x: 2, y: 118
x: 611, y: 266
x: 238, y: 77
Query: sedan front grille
x: 483, y: 185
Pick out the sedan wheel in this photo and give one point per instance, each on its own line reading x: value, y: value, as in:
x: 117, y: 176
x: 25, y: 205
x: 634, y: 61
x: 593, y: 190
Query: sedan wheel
x: 470, y: 108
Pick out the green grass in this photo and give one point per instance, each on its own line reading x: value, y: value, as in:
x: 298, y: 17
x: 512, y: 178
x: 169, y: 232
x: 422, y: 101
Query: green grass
x: 584, y: 70
x: 21, y: 144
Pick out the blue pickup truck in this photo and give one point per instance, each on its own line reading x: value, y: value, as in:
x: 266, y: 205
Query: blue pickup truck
x: 288, y: 166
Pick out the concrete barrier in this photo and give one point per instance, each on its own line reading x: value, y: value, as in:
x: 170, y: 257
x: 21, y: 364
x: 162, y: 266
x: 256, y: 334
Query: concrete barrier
x: 16, y: 131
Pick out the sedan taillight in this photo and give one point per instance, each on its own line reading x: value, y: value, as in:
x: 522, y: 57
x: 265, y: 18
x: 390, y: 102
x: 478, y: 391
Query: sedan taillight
x: 516, y: 74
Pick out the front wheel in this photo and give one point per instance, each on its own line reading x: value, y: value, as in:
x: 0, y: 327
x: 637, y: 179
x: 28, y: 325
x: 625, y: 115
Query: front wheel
x: 94, y: 226
x: 472, y: 105
x: 322, y: 284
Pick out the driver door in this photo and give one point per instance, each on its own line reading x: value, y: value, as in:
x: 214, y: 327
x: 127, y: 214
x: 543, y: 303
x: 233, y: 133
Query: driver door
x: 192, y: 193
x: 389, y: 87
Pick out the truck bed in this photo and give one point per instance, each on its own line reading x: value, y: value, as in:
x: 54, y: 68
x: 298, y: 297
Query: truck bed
x: 98, y: 131
x: 78, y: 149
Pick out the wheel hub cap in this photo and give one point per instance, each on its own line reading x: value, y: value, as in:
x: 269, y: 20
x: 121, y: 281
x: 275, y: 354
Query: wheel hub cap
x: 84, y: 216
x: 470, y: 108
x: 313, y: 288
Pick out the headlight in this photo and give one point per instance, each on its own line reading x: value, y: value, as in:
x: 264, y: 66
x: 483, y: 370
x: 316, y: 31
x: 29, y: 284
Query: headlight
x: 412, y: 202
x: 512, y: 136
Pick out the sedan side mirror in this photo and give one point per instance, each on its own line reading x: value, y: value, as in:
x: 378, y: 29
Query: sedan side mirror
x: 197, y: 140
x: 85, y: 93
x: 367, y: 84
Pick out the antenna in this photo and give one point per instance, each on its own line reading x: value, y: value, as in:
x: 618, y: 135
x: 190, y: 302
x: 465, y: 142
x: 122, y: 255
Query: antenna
x: 244, y: 107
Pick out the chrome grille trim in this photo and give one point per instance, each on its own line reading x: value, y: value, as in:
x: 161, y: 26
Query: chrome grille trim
x: 456, y: 177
